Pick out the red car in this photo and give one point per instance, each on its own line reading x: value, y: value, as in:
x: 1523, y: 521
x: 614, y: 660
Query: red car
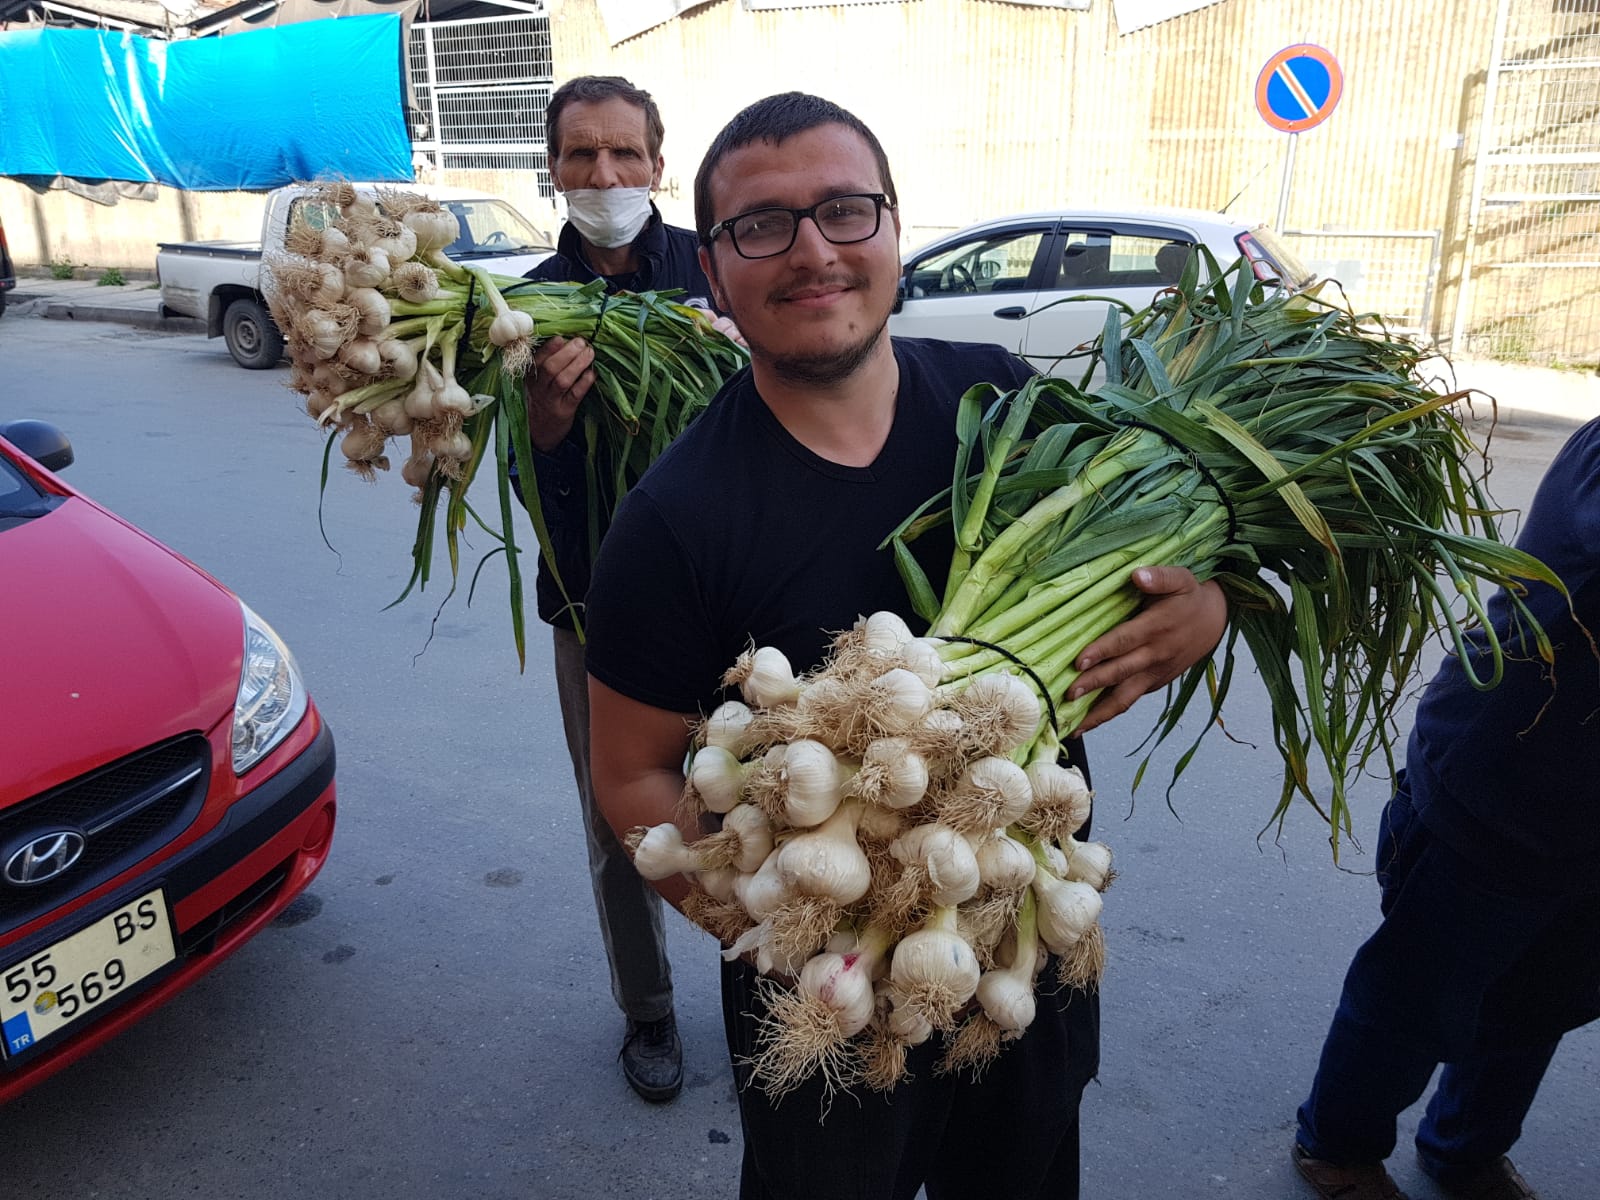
x: 166, y: 784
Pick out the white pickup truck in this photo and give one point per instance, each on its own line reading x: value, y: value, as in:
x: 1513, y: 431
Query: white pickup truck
x: 218, y: 282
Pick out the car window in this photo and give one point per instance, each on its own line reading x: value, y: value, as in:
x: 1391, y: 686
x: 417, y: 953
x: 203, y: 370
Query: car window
x: 318, y: 214
x: 994, y: 263
x: 13, y: 483
x: 16, y: 490
x: 1093, y: 259
x: 492, y: 227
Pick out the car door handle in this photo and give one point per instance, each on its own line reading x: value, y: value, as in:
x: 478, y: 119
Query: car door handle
x: 1013, y: 313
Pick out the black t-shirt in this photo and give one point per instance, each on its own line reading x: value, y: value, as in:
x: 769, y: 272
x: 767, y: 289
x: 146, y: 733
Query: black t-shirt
x: 739, y: 533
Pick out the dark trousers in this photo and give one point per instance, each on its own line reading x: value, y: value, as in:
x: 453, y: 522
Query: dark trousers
x: 1465, y: 971
x: 1011, y: 1135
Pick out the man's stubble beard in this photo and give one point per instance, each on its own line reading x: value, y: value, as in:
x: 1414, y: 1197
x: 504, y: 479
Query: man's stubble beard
x: 825, y: 368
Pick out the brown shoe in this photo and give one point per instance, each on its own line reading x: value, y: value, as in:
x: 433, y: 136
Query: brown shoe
x: 1365, y: 1181
x: 1497, y: 1181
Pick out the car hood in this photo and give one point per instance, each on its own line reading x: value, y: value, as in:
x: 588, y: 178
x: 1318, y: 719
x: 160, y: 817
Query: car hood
x: 113, y: 642
x: 506, y: 264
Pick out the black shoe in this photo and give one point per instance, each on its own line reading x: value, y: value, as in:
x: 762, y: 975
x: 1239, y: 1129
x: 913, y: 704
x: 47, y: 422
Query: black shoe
x: 652, y: 1058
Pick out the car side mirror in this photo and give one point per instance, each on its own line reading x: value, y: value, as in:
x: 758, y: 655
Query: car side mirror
x: 40, y: 441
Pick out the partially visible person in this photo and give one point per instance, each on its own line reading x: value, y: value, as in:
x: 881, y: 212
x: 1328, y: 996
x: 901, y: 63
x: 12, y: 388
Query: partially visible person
x: 1489, y: 947
x: 762, y: 522
x: 604, y: 137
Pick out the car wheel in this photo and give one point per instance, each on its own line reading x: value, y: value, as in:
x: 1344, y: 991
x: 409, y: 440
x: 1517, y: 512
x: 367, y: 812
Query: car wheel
x: 252, y: 338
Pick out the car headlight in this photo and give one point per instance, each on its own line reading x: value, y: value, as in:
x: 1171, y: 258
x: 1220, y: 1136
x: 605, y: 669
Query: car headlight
x: 272, y: 696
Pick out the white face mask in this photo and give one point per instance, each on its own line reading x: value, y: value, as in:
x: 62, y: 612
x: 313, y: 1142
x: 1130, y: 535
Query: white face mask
x: 608, y: 217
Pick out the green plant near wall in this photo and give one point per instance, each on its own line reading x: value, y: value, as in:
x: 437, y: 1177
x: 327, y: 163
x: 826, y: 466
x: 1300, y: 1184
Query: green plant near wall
x: 110, y: 277
x: 60, y: 268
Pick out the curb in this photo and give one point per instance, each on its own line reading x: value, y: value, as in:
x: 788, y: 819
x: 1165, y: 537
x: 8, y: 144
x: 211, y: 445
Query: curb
x: 138, y: 318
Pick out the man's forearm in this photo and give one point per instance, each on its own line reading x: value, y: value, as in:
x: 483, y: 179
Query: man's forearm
x: 647, y: 800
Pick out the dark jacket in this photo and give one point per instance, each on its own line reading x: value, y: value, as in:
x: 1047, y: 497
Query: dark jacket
x: 668, y: 260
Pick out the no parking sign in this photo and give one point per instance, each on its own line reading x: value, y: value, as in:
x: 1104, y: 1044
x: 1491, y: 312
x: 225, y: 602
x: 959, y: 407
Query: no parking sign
x: 1295, y: 91
x: 1298, y: 88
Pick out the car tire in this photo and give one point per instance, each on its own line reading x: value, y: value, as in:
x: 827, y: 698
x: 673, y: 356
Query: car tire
x: 252, y: 338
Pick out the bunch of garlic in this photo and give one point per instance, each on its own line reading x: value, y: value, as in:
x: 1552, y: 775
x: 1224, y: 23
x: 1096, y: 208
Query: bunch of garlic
x: 895, y: 850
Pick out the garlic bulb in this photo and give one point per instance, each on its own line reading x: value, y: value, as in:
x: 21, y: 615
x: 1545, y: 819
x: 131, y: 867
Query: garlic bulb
x: 749, y: 826
x: 1004, y: 863
x: 1067, y: 910
x: 884, y: 633
x: 827, y: 862
x: 717, y: 776
x: 659, y: 851
x: 765, y: 678
x: 935, y: 969
x: 952, y: 867
x: 892, y: 773
x: 920, y: 656
x: 899, y: 700
x: 1089, y: 862
x: 728, y: 725
x: 761, y: 894
x: 812, y: 783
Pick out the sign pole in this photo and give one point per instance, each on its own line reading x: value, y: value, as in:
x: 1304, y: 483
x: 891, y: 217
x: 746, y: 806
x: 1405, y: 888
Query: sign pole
x: 1296, y: 90
x: 1283, y: 193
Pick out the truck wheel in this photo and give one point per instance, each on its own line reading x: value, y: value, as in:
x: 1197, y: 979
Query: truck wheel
x: 252, y: 338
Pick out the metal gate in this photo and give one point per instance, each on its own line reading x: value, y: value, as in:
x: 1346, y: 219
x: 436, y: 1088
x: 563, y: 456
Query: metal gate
x: 479, y: 92
x: 1392, y: 272
x: 1530, y: 281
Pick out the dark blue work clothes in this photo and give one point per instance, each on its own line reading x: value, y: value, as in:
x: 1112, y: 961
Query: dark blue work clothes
x: 1465, y: 970
x: 1489, y: 950
x: 668, y: 261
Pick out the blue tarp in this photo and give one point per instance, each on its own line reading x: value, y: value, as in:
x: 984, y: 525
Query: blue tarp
x: 312, y: 100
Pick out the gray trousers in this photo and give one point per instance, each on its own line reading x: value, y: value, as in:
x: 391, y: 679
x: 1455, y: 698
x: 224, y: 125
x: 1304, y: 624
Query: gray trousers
x: 628, y: 907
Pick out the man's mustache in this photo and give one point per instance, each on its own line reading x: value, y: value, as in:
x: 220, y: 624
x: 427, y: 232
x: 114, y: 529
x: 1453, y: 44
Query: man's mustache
x: 825, y: 283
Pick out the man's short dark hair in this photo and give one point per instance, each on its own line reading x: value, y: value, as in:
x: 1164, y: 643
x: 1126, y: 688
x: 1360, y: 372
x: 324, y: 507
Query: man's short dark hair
x: 777, y: 119
x: 596, y: 89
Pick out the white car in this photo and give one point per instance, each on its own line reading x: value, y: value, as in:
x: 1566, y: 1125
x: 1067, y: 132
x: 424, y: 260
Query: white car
x: 991, y: 282
x: 220, y: 282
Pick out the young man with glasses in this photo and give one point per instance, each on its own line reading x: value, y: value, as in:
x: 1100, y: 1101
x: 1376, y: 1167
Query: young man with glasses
x: 762, y: 523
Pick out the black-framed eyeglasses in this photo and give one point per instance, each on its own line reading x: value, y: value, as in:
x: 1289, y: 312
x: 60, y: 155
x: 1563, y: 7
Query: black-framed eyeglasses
x: 764, y: 232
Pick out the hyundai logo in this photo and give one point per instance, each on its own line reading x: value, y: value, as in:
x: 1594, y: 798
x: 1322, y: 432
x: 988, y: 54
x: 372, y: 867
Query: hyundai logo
x: 43, y: 858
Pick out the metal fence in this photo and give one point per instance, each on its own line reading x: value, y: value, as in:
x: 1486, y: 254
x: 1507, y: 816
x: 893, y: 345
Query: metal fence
x: 1531, y: 284
x: 479, y: 92
x: 1392, y: 273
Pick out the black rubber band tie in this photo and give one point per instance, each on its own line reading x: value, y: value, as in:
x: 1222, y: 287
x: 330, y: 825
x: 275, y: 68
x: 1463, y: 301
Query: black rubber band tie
x: 1194, y: 461
x: 1049, y: 704
x: 472, y: 305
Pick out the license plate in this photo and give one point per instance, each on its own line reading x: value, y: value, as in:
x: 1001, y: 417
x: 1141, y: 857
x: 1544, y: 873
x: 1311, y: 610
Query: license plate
x: 47, y: 991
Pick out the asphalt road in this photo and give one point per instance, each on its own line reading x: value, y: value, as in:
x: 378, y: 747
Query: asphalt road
x: 434, y: 1019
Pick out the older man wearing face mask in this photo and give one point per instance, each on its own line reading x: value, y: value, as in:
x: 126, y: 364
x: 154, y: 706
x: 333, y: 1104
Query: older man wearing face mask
x: 605, y: 158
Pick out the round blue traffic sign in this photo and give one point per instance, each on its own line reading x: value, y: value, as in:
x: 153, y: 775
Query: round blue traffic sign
x: 1298, y: 88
